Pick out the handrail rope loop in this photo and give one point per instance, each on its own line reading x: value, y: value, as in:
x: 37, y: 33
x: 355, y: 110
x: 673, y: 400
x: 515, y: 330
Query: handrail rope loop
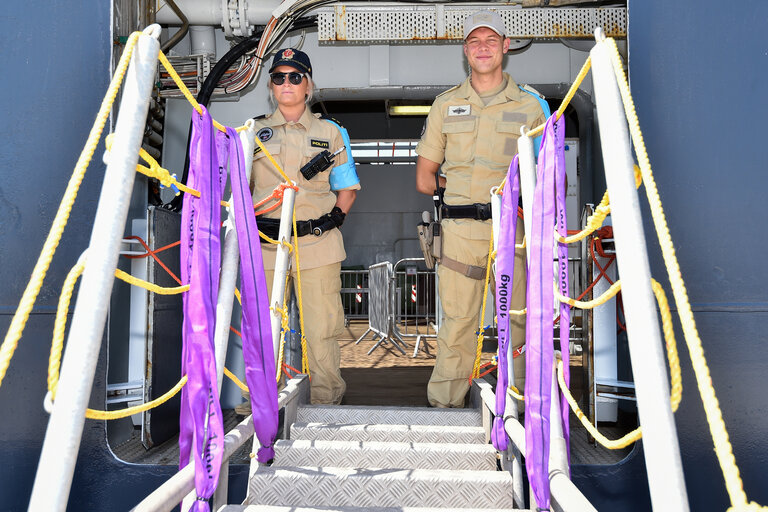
x: 676, y: 384
x: 714, y: 415
x: 35, y: 283
x: 481, y: 334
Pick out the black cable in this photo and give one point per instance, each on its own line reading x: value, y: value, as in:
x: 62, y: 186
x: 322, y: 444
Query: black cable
x: 218, y: 71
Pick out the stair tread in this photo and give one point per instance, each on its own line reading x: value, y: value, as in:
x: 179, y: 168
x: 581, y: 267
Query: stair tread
x: 274, y: 508
x: 347, y: 487
x: 388, y: 415
x: 388, y: 432
x: 378, y: 454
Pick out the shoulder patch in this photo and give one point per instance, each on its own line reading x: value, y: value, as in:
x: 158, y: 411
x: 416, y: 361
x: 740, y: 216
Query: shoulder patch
x: 264, y: 134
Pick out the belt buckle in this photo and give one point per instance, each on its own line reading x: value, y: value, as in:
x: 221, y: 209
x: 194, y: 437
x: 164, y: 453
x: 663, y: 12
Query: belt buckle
x: 481, y: 212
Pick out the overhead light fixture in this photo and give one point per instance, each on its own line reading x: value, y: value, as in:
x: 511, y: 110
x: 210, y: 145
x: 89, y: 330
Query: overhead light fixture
x: 409, y: 110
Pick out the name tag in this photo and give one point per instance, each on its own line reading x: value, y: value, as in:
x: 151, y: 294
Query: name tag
x: 324, y: 144
x: 459, y: 110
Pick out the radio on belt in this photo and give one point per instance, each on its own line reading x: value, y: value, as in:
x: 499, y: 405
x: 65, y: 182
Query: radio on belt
x: 319, y: 163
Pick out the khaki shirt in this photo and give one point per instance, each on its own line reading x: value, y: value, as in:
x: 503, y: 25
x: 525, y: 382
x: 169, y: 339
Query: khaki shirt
x: 475, y: 143
x: 293, y: 144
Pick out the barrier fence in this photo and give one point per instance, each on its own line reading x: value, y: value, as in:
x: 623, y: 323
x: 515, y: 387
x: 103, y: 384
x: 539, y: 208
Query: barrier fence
x: 354, y: 294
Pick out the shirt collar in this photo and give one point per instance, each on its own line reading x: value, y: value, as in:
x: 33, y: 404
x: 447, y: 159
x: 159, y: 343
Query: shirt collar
x: 277, y: 118
x: 510, y: 92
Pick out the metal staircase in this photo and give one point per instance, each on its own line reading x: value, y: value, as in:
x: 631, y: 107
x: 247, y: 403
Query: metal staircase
x: 379, y: 459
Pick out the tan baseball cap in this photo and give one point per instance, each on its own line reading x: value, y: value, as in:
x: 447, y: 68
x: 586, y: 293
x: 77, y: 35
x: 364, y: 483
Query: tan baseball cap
x: 487, y: 19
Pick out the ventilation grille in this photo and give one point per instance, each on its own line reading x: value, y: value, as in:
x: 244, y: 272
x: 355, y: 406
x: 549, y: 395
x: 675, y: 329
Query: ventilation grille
x: 397, y: 22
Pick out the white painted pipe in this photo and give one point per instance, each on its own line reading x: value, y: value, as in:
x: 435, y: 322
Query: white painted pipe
x: 660, y: 444
x: 282, y: 261
x: 206, y: 12
x: 202, y: 40
x: 558, y: 453
x: 65, y: 427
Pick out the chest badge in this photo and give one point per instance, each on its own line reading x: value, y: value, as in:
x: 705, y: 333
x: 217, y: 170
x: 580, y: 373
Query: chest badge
x: 324, y: 144
x: 459, y: 110
x: 264, y: 134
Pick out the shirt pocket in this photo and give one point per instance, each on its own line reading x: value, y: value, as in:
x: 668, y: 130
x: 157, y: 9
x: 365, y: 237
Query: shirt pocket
x: 460, y: 140
x: 264, y: 173
x: 505, y: 142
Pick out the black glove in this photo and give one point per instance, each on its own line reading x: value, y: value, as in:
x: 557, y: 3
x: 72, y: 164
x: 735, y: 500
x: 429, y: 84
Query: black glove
x: 328, y: 221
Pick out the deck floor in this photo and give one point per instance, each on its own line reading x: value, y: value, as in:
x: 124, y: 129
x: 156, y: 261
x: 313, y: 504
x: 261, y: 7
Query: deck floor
x: 386, y: 377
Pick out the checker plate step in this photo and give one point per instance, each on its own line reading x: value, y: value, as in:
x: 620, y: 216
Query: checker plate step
x: 372, y: 454
x: 344, y: 487
x: 392, y: 433
x: 272, y: 508
x: 388, y: 415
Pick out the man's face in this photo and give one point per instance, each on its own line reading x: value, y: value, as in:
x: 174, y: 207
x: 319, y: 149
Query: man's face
x: 484, y: 49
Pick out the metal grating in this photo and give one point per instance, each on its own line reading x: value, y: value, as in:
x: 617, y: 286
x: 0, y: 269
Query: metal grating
x: 388, y: 433
x: 363, y: 414
x: 396, y: 22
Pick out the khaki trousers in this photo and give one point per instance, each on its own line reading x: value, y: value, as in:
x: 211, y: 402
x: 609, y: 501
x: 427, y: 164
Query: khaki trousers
x: 462, y: 300
x: 324, y: 323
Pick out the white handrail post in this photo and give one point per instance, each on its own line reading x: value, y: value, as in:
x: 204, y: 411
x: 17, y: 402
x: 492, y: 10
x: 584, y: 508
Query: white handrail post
x: 282, y: 261
x: 65, y: 427
x: 660, y: 444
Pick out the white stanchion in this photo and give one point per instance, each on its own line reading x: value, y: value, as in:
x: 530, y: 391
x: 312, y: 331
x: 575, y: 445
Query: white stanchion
x: 282, y: 262
x: 65, y: 427
x: 660, y: 444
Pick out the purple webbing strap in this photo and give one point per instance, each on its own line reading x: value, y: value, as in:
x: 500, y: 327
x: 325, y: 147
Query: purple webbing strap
x: 562, y: 270
x: 201, y: 425
x: 258, y: 353
x: 505, y: 270
x: 538, y: 334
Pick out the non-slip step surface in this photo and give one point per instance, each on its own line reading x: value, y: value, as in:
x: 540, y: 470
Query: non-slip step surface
x: 388, y: 433
x: 386, y: 455
x: 389, y: 415
x: 272, y: 508
x: 343, y: 487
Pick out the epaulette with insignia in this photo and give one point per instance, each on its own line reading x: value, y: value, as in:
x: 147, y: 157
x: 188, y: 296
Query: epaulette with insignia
x: 448, y: 90
x: 262, y: 116
x: 531, y: 90
x: 333, y: 119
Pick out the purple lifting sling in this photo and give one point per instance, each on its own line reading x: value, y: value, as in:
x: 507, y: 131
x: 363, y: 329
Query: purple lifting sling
x: 505, y: 270
x: 548, y: 211
x: 201, y: 426
x: 258, y: 353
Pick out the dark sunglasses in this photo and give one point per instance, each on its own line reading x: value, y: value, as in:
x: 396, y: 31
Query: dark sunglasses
x: 293, y: 77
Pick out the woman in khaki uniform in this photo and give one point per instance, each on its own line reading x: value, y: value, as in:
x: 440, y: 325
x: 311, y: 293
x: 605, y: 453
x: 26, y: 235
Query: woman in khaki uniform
x: 294, y: 136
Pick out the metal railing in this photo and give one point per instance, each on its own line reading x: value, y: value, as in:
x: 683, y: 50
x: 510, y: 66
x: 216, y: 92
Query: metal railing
x: 415, y: 290
x: 381, y: 308
x: 354, y: 294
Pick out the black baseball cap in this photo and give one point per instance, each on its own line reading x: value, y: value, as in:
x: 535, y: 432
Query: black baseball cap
x: 297, y: 59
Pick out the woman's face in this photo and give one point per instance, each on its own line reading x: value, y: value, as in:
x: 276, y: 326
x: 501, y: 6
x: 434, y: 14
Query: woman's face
x: 288, y: 94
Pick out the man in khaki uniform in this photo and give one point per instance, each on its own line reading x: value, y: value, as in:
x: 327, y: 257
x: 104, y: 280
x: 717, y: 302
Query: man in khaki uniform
x: 293, y: 136
x: 471, y: 132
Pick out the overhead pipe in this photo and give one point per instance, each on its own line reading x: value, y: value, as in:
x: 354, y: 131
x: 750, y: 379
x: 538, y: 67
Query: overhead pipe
x: 178, y: 36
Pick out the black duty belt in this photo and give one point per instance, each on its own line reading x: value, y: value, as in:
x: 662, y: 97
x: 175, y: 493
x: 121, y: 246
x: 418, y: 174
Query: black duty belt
x: 477, y: 211
x: 271, y: 227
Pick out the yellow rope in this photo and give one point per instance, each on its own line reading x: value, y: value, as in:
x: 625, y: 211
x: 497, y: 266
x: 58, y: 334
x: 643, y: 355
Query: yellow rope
x: 234, y: 379
x: 160, y: 290
x: 568, y: 97
x: 284, y: 328
x: 62, y: 215
x: 515, y: 393
x: 722, y: 444
x: 304, y: 359
x: 602, y: 299
x: 130, y: 411
x: 481, y: 334
x: 676, y: 383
